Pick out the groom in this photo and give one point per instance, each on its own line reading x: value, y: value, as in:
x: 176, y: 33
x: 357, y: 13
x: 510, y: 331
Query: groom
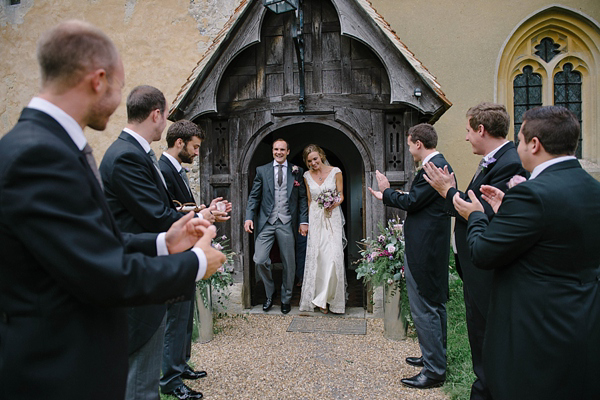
x: 279, y: 196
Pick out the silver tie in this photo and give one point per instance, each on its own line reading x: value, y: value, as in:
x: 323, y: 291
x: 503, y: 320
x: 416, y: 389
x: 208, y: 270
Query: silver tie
x: 185, y: 179
x: 280, y: 175
x: 89, y: 157
x: 479, y: 169
x: 155, y: 162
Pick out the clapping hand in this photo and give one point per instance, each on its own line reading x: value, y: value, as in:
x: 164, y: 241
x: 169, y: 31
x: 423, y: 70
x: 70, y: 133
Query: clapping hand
x: 439, y: 179
x: 382, y: 182
x: 492, y: 195
x: 465, y: 208
x: 185, y: 232
x: 214, y: 258
x: 220, y: 208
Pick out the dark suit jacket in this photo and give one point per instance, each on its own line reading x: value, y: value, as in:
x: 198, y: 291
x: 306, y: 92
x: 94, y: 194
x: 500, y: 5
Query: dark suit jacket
x: 427, y: 231
x: 543, y: 330
x: 140, y: 203
x: 507, y: 165
x: 66, y: 271
x: 262, y: 197
x: 177, y: 188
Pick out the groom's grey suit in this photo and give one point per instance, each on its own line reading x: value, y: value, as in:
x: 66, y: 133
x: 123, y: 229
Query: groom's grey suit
x: 277, y: 211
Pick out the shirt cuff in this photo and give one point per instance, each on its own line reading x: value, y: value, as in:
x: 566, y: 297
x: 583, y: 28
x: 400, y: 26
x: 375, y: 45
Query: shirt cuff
x: 199, y: 215
x: 303, y: 223
x: 161, y: 245
x: 202, y: 263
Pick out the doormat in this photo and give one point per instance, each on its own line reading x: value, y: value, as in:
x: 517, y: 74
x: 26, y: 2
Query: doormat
x: 342, y: 326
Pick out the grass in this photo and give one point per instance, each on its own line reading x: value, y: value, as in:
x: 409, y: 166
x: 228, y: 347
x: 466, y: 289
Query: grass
x: 460, y: 376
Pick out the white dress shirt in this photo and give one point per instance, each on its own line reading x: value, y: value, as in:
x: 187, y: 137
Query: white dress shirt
x: 537, y: 170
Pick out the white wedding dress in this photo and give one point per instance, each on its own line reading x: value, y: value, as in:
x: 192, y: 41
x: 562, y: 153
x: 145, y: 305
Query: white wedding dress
x: 324, y: 275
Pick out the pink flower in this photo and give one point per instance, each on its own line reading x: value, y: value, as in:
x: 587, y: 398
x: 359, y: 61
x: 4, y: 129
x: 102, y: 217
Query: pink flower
x: 296, y: 183
x: 515, y: 180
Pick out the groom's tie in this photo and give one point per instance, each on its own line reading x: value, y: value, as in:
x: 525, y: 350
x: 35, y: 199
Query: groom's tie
x: 89, y: 157
x: 279, y: 175
x: 155, y: 162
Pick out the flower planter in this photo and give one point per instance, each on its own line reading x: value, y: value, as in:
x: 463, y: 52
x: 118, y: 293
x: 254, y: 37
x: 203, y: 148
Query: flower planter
x: 204, y: 313
x: 394, y: 323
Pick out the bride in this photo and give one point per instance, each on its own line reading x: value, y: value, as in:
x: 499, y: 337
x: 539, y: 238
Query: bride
x: 324, y: 280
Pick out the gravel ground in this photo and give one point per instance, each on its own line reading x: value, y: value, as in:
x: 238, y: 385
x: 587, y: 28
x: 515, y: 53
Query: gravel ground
x: 255, y: 358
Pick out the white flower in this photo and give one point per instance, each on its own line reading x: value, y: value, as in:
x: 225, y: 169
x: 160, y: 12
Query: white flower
x: 218, y: 246
x: 391, y: 248
x: 390, y: 281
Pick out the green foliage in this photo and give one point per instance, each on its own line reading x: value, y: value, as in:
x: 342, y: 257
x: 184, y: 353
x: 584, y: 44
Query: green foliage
x: 382, y: 259
x: 460, y: 376
x: 220, y: 280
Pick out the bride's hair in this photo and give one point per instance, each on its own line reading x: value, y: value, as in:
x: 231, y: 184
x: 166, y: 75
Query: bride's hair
x: 311, y: 148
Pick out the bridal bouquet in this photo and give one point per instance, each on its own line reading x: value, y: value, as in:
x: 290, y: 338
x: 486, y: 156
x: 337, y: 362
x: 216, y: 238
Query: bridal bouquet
x: 326, y: 199
x: 222, y: 279
x: 382, y: 259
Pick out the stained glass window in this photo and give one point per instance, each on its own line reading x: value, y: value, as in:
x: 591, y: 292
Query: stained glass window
x: 547, y: 49
x: 527, y: 89
x: 567, y: 93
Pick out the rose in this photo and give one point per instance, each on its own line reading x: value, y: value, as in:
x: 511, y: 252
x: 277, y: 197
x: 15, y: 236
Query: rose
x: 221, y: 206
x: 295, y: 171
x: 515, y: 180
x: 391, y: 248
x: 296, y: 183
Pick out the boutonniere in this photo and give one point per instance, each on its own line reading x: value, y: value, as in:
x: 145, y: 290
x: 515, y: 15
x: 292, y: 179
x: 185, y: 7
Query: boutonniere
x: 486, y: 164
x: 418, y: 170
x: 296, y: 183
x: 295, y: 171
x: 186, y: 169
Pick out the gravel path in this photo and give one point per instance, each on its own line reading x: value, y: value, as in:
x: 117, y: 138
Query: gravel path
x: 255, y: 358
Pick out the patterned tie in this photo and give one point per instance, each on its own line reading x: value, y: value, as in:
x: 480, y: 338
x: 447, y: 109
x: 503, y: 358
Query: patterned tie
x: 185, y: 180
x: 479, y: 169
x: 280, y: 175
x: 155, y: 162
x: 89, y: 157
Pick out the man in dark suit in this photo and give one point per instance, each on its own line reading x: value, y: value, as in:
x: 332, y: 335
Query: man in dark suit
x: 66, y: 270
x: 278, y: 201
x: 543, y: 325
x: 487, y: 128
x: 137, y: 195
x: 183, y: 141
x: 427, y: 230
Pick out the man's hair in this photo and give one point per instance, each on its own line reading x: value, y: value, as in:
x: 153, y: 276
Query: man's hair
x: 142, y: 101
x: 287, y: 145
x: 425, y: 133
x: 70, y: 50
x: 555, y: 127
x: 184, y: 130
x: 493, y: 117
x: 311, y: 148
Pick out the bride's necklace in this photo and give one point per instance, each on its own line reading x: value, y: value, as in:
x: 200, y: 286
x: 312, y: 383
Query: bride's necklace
x: 319, y: 175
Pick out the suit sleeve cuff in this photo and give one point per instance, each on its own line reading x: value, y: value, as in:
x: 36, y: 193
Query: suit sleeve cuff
x: 161, y: 245
x: 202, y: 263
x: 199, y: 215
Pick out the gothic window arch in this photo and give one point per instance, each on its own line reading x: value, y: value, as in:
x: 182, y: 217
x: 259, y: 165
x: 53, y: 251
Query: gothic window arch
x: 553, y: 57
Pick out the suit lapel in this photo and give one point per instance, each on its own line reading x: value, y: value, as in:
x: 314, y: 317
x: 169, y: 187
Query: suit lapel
x: 290, y: 180
x: 486, y: 170
x: 56, y: 129
x: 270, y: 175
x: 182, y: 186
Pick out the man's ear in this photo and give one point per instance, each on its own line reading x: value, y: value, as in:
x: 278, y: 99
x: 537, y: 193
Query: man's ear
x: 98, y: 80
x: 155, y: 115
x: 480, y: 130
x: 536, y: 145
x: 418, y: 144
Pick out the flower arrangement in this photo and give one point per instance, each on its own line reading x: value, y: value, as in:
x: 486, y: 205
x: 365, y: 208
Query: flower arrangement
x: 326, y: 199
x: 382, y: 259
x: 222, y: 279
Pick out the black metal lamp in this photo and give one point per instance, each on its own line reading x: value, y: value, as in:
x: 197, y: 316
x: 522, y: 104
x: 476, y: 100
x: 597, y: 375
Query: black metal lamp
x: 281, y: 6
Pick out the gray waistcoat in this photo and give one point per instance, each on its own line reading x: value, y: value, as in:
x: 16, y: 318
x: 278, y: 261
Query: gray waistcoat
x: 281, y: 209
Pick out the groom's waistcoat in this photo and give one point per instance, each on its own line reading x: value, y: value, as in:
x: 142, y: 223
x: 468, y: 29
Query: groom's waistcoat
x: 281, y: 210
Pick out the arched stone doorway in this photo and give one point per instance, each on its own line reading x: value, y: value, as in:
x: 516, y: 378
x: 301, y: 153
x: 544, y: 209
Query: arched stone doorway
x: 342, y: 153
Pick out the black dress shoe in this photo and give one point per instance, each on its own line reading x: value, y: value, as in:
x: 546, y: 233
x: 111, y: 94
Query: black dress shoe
x: 183, y: 392
x: 415, y: 361
x: 268, y: 304
x: 285, y: 308
x: 420, y: 381
x: 191, y: 374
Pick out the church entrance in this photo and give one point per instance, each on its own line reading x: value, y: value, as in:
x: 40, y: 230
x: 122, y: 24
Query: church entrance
x: 342, y: 153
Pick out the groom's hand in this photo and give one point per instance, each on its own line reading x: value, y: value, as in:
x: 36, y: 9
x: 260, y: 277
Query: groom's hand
x: 249, y: 226
x: 382, y: 181
x: 302, y: 229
